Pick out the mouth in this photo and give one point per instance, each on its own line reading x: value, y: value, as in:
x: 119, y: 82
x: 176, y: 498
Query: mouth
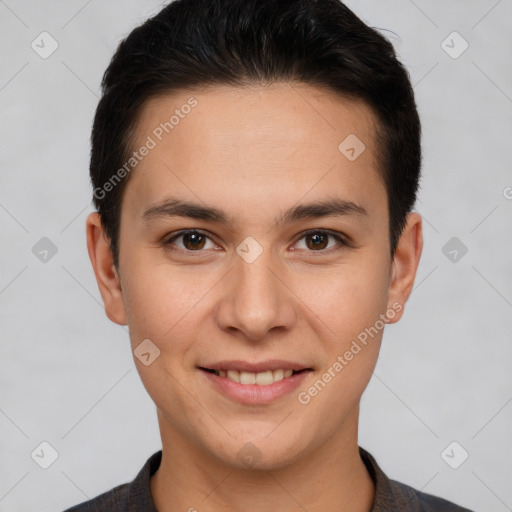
x: 262, y: 378
x: 255, y: 383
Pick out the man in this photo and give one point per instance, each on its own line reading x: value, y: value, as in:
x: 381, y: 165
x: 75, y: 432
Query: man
x: 255, y: 164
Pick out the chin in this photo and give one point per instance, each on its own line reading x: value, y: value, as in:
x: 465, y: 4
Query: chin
x: 261, y: 453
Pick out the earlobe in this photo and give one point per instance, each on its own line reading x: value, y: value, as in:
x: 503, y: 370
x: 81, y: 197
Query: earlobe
x: 405, y: 263
x: 108, y: 280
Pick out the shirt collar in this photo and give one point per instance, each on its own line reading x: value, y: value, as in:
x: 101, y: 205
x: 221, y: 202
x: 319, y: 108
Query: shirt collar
x: 388, y: 494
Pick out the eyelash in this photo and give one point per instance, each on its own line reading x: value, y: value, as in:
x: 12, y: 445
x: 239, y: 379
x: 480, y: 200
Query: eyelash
x: 343, y: 242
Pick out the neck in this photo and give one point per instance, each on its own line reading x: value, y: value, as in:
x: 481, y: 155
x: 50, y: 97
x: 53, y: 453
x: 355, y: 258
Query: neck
x: 332, y: 477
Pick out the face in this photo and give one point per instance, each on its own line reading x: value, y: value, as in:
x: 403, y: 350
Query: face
x: 253, y: 246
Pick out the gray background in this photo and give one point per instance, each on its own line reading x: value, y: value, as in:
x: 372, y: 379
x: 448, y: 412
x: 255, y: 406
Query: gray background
x: 67, y: 375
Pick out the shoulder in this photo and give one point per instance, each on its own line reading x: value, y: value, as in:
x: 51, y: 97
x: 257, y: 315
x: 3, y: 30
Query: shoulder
x: 420, y: 501
x: 113, y: 500
x: 391, y: 495
x: 129, y: 497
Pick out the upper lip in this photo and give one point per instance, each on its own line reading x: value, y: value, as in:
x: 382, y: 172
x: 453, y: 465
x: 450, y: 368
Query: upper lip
x: 244, y: 366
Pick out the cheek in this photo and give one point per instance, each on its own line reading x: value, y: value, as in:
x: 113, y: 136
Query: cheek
x: 161, y: 303
x: 350, y: 332
x: 348, y: 299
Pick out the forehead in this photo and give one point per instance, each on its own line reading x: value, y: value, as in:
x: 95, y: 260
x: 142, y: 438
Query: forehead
x: 257, y: 143
x: 255, y: 114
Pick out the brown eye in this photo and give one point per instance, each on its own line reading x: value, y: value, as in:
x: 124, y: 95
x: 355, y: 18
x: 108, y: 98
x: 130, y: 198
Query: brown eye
x: 192, y: 241
x: 317, y: 241
x: 320, y: 241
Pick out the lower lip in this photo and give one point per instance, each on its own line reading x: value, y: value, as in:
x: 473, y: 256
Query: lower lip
x: 254, y: 394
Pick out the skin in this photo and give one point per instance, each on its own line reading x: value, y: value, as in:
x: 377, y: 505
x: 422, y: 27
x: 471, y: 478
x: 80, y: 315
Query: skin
x: 254, y: 152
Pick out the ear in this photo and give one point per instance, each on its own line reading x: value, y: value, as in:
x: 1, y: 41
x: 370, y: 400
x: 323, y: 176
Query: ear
x: 106, y: 274
x: 405, y: 264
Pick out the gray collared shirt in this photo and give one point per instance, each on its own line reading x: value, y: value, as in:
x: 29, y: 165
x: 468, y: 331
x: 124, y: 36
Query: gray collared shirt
x: 389, y: 494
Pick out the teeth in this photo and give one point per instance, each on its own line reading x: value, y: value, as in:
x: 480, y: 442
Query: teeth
x: 278, y: 375
x: 247, y: 378
x: 262, y: 378
x: 232, y: 375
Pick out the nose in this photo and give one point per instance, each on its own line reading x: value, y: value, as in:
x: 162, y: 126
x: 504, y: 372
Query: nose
x: 257, y: 299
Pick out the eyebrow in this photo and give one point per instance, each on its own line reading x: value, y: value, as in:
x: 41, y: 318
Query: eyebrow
x: 174, y: 207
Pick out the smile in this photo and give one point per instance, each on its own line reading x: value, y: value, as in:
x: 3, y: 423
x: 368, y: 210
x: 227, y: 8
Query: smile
x: 264, y: 378
x: 253, y: 384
